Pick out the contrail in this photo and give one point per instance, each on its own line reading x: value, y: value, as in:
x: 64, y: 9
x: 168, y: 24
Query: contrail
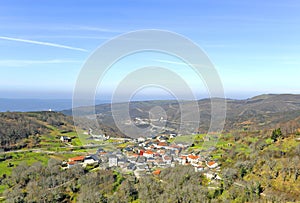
x: 43, y: 43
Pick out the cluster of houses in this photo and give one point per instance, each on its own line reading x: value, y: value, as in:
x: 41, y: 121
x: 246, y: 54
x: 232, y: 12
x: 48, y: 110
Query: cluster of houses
x: 146, y: 155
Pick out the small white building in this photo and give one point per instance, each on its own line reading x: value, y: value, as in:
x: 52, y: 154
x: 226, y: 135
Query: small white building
x: 167, y: 159
x: 212, y: 176
x: 112, y: 161
x: 65, y: 139
x: 173, y: 135
x: 141, y: 139
x: 211, y: 164
x: 90, y: 160
x: 148, y: 154
x: 199, y: 168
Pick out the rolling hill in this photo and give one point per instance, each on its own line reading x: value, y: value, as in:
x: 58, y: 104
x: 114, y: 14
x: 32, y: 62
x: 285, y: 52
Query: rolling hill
x: 260, y: 112
x: 21, y: 129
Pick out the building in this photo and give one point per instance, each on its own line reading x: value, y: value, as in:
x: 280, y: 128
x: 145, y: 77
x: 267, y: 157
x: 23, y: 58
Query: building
x: 199, y: 168
x: 212, y: 176
x: 193, y: 158
x: 93, y: 159
x: 148, y: 154
x: 99, y: 137
x: 70, y: 164
x: 65, y: 139
x: 157, y: 172
x: 211, y: 164
x: 141, y: 139
x: 77, y: 159
x: 112, y: 161
x: 131, y: 167
x: 167, y: 159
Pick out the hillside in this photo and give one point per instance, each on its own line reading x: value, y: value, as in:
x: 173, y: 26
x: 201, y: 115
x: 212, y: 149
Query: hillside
x: 19, y: 130
x: 253, y: 168
x: 255, y: 165
x: 15, y: 127
x: 257, y: 113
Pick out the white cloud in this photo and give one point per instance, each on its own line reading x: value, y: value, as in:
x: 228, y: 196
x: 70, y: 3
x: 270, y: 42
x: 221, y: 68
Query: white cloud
x: 53, y: 27
x: 68, y: 37
x: 22, y: 63
x: 98, y: 29
x: 176, y: 62
x: 171, y: 62
x: 43, y: 43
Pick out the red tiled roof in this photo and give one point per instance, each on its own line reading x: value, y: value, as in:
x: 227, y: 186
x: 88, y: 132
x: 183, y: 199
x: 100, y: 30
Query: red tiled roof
x: 211, y: 163
x: 78, y: 158
x: 193, y: 156
x: 157, y: 172
x: 149, y: 152
x: 162, y: 144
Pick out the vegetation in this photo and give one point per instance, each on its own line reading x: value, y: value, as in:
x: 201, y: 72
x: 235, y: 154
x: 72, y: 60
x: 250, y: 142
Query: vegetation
x: 260, y: 162
x: 270, y: 172
x: 19, y: 130
x: 276, y: 134
x: 253, y: 114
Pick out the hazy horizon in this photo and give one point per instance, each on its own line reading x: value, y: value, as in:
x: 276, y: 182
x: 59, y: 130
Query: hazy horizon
x: 43, y: 104
x: 150, y: 97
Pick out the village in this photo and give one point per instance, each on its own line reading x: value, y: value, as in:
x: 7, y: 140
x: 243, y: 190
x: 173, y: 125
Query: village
x: 143, y: 156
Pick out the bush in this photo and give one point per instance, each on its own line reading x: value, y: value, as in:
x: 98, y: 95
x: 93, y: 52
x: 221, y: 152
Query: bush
x: 276, y: 134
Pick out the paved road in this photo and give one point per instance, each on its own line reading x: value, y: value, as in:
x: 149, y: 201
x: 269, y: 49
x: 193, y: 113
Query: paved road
x: 44, y: 150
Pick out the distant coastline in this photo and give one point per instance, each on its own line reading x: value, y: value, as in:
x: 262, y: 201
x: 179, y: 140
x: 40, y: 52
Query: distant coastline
x: 25, y: 105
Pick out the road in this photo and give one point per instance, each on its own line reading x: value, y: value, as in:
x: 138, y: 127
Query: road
x: 44, y: 150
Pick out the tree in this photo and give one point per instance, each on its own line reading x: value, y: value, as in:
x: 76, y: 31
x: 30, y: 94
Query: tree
x: 276, y: 134
x: 126, y: 192
x: 229, y: 175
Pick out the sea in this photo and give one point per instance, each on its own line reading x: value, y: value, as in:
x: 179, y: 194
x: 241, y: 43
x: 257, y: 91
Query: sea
x: 28, y: 105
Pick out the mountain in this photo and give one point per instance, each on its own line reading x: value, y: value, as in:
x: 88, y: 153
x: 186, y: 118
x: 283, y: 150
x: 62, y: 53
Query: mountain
x: 260, y: 112
x: 257, y: 113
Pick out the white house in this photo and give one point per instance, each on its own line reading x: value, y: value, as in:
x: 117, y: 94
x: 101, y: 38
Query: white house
x: 212, y: 176
x: 193, y: 158
x: 90, y: 160
x: 148, y: 154
x: 112, y: 161
x: 65, y: 139
x: 199, y: 168
x: 167, y: 159
x: 141, y: 139
x: 211, y: 164
x: 172, y: 135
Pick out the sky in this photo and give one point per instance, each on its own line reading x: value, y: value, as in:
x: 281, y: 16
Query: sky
x: 254, y: 45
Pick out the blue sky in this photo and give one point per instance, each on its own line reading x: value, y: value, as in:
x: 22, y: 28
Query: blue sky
x: 254, y: 45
